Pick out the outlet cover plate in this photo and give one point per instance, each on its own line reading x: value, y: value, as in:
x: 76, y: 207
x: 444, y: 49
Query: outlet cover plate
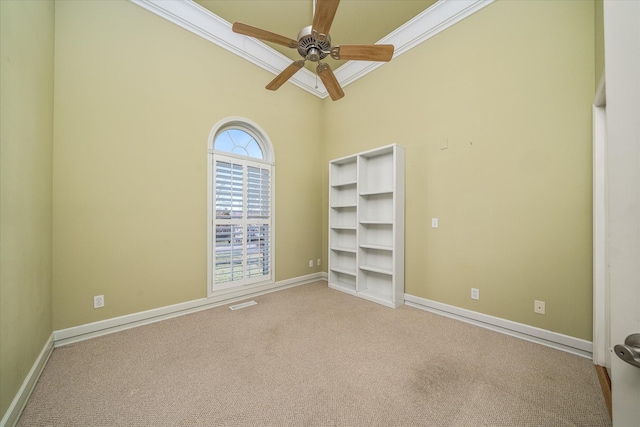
x: 538, y: 307
x: 98, y: 301
x: 475, y: 293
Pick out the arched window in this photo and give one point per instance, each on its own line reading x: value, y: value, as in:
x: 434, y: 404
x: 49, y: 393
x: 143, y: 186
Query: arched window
x: 239, y: 142
x: 240, y: 205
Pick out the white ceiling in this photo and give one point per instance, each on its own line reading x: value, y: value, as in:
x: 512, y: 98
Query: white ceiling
x: 273, y: 15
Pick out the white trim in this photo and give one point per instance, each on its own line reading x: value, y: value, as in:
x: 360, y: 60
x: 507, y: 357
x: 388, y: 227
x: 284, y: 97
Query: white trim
x: 551, y: 339
x: 204, y: 23
x: 601, y: 355
x: 108, y: 326
x: 10, y: 417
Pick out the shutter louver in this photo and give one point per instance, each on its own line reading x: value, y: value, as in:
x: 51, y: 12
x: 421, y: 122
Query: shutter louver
x: 259, y: 213
x: 258, y: 193
x: 228, y: 190
x: 258, y: 253
x: 229, y: 251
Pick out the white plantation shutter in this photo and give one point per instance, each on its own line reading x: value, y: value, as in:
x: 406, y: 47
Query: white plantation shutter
x: 229, y: 207
x: 229, y: 253
x: 229, y: 189
x: 258, y: 193
x: 243, y: 240
x: 258, y: 251
x: 259, y: 216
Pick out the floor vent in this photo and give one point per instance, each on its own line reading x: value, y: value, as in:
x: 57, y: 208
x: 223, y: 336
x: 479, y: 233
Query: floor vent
x: 242, y: 305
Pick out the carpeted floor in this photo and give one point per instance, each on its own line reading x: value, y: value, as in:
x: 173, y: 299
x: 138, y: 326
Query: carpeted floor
x: 312, y: 356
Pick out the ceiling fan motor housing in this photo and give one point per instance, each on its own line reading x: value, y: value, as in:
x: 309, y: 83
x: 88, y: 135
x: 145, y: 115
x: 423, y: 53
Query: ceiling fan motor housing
x: 311, y: 48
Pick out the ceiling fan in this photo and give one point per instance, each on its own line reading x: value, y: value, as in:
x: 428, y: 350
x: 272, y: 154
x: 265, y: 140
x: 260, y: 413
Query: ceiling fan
x: 314, y: 44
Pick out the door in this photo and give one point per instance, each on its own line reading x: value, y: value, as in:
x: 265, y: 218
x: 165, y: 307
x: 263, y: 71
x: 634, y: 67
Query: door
x: 622, y: 65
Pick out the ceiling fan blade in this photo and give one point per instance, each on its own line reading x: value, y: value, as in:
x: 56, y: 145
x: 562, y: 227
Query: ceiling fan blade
x: 265, y: 35
x: 330, y: 81
x: 285, y: 75
x: 363, y: 52
x: 323, y: 18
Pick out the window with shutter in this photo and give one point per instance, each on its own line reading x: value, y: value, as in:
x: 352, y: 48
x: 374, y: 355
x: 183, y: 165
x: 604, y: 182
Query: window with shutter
x: 241, y: 203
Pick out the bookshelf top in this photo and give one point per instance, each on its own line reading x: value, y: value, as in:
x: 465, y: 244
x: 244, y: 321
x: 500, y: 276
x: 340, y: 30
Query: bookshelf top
x: 369, y: 153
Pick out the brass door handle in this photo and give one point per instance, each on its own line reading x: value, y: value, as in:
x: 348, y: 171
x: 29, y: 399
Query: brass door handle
x: 630, y: 351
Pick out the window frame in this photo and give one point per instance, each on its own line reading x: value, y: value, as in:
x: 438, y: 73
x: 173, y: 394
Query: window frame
x: 264, y: 142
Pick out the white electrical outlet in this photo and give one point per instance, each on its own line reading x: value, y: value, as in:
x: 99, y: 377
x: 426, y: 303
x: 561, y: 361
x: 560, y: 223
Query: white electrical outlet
x: 538, y: 307
x: 475, y: 293
x: 318, y: 261
x: 98, y: 301
x: 310, y: 263
x: 434, y: 222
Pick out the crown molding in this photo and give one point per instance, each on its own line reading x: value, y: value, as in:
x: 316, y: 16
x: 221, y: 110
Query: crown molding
x: 202, y: 22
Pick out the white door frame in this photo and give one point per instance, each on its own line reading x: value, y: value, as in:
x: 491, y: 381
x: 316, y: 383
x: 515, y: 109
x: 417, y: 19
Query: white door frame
x: 601, y: 341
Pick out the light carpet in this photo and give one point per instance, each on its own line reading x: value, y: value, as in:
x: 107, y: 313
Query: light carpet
x: 313, y: 356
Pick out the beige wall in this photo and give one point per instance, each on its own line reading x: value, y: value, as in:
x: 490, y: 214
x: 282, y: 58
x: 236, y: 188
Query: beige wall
x: 26, y: 129
x: 510, y: 89
x: 599, y: 40
x: 136, y: 98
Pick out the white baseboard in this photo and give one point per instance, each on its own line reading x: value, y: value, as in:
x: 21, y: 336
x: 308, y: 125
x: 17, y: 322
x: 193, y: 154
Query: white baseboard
x: 10, y: 417
x: 108, y: 326
x: 555, y: 340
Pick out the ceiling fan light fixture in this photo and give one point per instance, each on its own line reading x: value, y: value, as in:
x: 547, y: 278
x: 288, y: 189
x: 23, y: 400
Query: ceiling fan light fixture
x: 313, y: 54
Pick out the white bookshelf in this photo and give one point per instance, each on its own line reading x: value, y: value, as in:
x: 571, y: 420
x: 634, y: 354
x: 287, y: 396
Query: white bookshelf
x: 366, y: 225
